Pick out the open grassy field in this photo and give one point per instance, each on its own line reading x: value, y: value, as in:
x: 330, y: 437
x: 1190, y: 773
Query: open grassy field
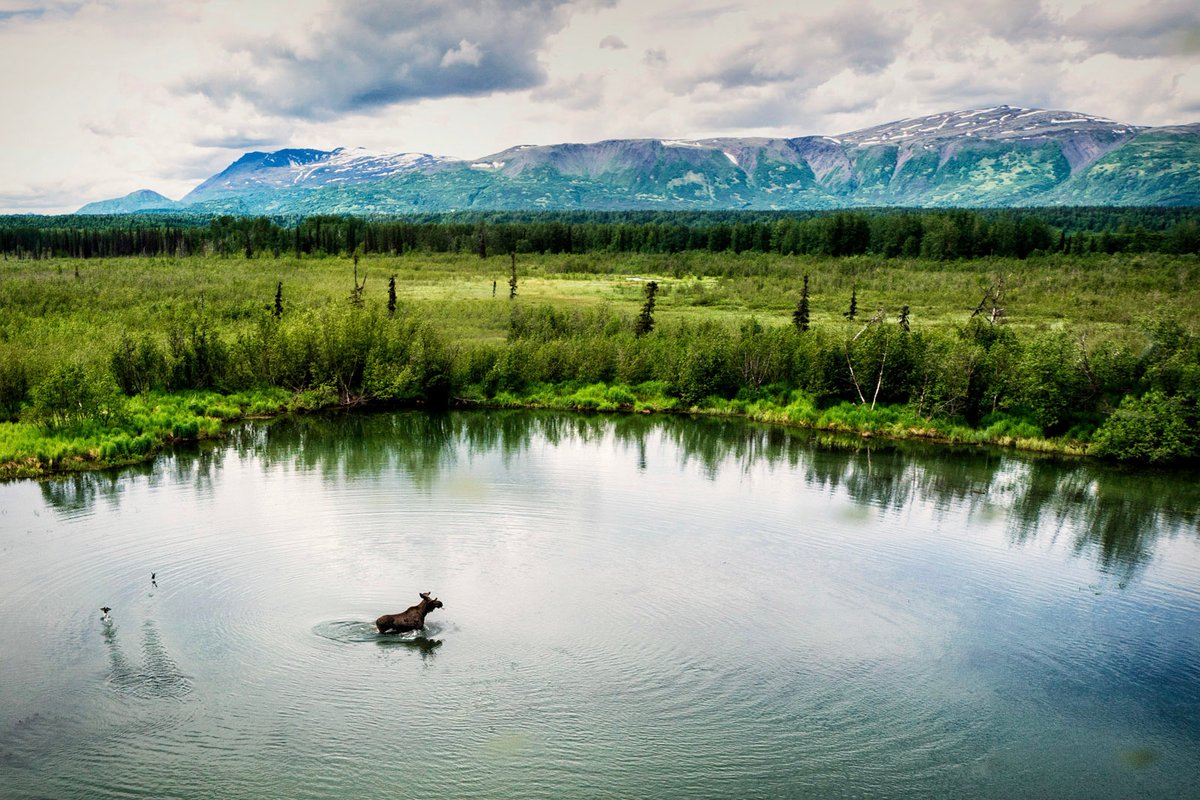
x: 42, y: 300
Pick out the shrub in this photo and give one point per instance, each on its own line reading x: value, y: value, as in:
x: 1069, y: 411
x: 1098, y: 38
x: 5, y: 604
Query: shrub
x: 14, y: 386
x: 138, y: 365
x: 71, y: 394
x: 198, y: 356
x: 1153, y: 428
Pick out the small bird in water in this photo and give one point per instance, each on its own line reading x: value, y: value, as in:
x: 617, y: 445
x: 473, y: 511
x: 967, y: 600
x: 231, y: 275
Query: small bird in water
x: 105, y: 609
x: 153, y: 580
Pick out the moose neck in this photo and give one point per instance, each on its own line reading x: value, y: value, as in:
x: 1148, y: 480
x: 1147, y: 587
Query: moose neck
x: 423, y: 608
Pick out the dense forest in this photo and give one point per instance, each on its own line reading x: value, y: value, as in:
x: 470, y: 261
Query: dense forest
x: 934, y: 235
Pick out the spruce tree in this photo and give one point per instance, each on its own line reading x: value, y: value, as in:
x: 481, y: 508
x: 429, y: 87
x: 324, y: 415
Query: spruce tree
x: 800, y: 316
x: 392, y: 296
x: 512, y: 281
x: 278, y: 300
x: 853, y: 312
x: 645, y: 322
x: 904, y: 318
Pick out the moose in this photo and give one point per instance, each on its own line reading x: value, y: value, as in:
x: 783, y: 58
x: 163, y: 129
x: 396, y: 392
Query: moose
x: 412, y: 619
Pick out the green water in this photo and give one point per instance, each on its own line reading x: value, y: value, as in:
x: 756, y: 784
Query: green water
x: 634, y: 607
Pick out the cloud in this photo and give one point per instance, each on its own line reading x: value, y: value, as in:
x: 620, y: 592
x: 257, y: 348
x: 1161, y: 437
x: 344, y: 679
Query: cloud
x: 613, y: 42
x: 367, y: 55
x: 467, y: 53
x: 804, y: 51
x: 1007, y: 20
x: 655, y: 57
x: 236, y: 141
x: 42, y: 199
x: 1149, y: 30
x: 17, y: 10
x: 581, y: 92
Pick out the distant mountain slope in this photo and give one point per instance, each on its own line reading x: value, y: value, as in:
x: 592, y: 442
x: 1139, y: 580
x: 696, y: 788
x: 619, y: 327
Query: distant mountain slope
x: 1161, y: 166
x: 306, y: 169
x: 134, y: 202
x: 999, y: 156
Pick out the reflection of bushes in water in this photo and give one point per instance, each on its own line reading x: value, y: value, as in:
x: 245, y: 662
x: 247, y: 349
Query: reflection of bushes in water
x: 1116, y: 512
x: 79, y: 492
x: 364, y: 444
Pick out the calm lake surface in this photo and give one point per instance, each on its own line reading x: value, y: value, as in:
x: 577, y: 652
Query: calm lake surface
x: 634, y: 607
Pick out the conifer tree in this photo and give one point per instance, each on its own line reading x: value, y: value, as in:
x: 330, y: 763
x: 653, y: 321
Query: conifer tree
x: 853, y: 312
x: 645, y: 322
x: 512, y: 281
x: 392, y: 296
x: 278, y: 300
x: 800, y: 316
x: 481, y: 238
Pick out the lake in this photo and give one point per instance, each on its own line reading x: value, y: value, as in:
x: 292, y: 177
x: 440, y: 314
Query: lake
x: 633, y: 607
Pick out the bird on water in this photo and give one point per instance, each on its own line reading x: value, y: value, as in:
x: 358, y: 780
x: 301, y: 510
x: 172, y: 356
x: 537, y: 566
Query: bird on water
x: 105, y: 609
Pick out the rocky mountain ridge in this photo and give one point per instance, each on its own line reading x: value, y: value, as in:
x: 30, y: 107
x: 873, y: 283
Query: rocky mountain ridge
x: 999, y: 156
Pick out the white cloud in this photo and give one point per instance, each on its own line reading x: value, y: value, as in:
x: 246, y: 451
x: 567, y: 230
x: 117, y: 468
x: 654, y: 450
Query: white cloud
x: 466, y: 53
x: 105, y: 98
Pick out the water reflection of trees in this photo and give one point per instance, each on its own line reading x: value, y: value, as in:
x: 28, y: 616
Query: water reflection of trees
x: 1114, y: 515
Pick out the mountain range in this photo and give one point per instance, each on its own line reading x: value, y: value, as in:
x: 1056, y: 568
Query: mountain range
x: 1000, y: 156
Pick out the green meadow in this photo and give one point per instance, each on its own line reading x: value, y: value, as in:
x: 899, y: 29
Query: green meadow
x: 105, y: 360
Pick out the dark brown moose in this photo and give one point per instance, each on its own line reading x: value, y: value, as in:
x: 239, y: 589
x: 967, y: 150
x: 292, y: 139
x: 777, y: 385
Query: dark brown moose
x: 412, y: 619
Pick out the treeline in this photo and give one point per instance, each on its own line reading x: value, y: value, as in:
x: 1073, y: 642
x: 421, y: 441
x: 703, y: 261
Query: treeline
x: 937, y: 235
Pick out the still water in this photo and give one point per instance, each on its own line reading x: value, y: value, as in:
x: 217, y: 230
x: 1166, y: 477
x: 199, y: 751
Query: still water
x: 634, y: 607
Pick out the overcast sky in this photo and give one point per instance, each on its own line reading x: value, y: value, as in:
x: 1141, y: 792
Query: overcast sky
x: 102, y: 98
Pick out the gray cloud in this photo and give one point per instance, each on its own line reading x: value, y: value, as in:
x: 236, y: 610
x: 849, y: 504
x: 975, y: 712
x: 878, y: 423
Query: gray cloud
x: 580, y: 93
x: 690, y: 14
x: 654, y: 58
x: 1151, y: 30
x: 806, y: 53
x: 1015, y: 21
x: 236, y: 142
x: 613, y: 42
x: 366, y: 55
x: 46, y: 198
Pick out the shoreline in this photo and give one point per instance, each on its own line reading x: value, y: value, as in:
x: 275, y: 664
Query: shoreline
x: 216, y: 427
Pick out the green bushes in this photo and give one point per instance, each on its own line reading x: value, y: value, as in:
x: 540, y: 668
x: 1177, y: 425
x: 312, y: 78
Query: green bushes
x: 198, y: 356
x: 72, y: 394
x: 14, y: 384
x: 1155, y: 428
x: 139, y: 365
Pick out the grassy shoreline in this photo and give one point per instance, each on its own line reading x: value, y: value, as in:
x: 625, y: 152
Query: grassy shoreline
x: 158, y: 421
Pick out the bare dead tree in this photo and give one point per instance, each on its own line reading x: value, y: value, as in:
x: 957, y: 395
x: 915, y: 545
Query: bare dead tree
x: 992, y: 302
x: 877, y: 319
x: 356, y: 295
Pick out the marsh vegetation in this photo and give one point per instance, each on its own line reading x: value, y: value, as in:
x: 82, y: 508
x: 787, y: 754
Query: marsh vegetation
x: 102, y: 360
